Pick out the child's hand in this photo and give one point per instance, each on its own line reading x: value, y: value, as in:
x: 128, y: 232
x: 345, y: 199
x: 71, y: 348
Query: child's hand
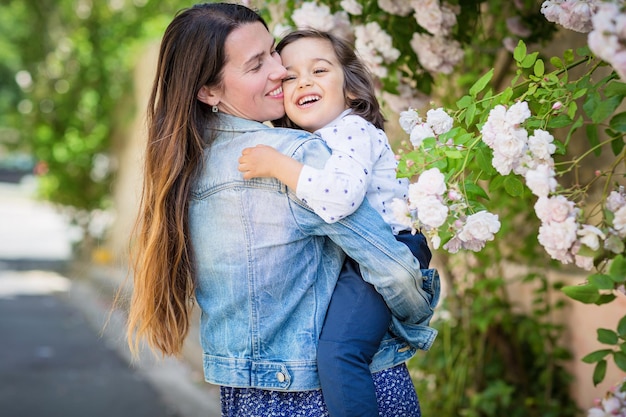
x: 259, y: 161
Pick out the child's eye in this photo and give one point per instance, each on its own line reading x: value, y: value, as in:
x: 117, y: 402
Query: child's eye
x: 319, y: 70
x: 289, y: 78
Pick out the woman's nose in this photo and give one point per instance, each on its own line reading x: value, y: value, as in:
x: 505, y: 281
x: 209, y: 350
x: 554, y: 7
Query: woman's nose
x: 280, y: 71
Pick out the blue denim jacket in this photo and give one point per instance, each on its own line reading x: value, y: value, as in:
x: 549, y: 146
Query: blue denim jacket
x: 266, y: 266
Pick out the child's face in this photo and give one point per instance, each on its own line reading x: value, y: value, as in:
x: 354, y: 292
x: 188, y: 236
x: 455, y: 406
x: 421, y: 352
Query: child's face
x: 313, y: 86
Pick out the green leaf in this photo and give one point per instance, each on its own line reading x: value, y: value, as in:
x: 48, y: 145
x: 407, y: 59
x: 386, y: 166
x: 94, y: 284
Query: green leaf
x: 464, y: 101
x: 483, y: 159
x: 615, y: 88
x: 569, y: 56
x: 481, y: 83
x: 556, y: 62
x: 529, y: 60
x: 618, y: 122
x: 591, y: 103
x: 599, y: 372
x: 539, y: 68
x: 453, y: 153
x: 621, y: 328
x: 513, y: 186
x: 470, y: 113
x: 506, y: 95
x: 617, y: 270
x: 519, y: 53
x: 561, y: 120
x: 620, y: 360
x: 608, y: 337
x: 579, y: 93
x: 602, y: 281
x: 596, y: 356
x: 605, y: 108
x: 605, y: 299
x: 592, y: 137
x: 572, y: 109
x: 617, y: 145
x: 586, y: 293
x: 474, y: 190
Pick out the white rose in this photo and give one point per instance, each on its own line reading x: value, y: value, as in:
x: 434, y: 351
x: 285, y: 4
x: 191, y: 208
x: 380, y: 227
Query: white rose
x: 558, y: 235
x: 453, y: 245
x: 584, y: 262
x: 540, y: 180
x: 401, y: 213
x: 431, y: 182
x: 409, y: 119
x: 615, y: 200
x: 439, y: 120
x: 590, y: 236
x: 554, y: 209
x: 540, y: 144
x: 511, y: 145
x: 517, y: 113
x: 480, y: 226
x: 352, y: 7
x: 619, y: 221
x: 431, y: 211
x: 419, y: 133
x: 495, y: 125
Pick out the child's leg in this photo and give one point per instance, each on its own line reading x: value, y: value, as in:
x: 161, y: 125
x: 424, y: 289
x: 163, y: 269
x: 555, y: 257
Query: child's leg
x: 418, y: 245
x: 356, y: 321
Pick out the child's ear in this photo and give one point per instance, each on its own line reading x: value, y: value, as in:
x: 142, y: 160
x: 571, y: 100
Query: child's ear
x: 208, y: 95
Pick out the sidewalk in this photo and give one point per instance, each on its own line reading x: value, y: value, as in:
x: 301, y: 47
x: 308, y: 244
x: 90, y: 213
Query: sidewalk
x: 64, y: 351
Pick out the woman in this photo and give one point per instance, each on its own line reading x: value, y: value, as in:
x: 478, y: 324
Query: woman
x: 259, y: 263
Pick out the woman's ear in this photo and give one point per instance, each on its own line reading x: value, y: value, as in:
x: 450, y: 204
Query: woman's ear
x: 208, y: 96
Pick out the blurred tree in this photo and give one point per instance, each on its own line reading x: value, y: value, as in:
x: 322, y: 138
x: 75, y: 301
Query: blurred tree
x: 65, y: 66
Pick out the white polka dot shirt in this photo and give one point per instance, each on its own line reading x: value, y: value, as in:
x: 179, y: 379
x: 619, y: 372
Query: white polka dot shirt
x: 362, y: 165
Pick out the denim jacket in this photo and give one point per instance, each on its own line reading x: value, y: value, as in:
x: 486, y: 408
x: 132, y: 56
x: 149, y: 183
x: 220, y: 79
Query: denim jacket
x: 266, y: 267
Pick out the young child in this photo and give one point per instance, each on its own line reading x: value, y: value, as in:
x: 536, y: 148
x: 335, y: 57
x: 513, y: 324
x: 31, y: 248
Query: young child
x: 329, y: 91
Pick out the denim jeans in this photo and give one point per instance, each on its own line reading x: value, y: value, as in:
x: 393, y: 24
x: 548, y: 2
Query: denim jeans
x: 356, y: 321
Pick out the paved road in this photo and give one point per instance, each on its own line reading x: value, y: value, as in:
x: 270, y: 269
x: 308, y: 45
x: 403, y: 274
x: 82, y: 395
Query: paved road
x: 57, y: 357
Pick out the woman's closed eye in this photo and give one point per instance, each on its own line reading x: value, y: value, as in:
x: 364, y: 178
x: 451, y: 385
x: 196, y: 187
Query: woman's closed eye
x: 256, y: 68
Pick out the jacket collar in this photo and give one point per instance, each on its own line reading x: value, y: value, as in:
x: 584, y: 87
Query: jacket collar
x: 229, y: 123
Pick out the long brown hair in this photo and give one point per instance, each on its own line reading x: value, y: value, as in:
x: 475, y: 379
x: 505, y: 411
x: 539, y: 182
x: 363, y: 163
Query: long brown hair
x: 191, y: 56
x: 358, y: 84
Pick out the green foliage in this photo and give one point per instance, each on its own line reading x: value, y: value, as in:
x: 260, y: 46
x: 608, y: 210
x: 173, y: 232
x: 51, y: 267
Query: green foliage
x: 553, y: 97
x: 490, y: 360
x: 79, y: 57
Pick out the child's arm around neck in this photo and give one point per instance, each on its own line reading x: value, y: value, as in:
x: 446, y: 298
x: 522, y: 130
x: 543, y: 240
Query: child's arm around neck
x: 265, y: 161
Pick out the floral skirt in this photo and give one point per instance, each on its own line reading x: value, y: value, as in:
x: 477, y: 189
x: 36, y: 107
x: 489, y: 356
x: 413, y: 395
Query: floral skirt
x: 394, y: 390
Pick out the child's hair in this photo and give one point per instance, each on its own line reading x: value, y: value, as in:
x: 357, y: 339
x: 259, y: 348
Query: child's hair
x: 358, y: 83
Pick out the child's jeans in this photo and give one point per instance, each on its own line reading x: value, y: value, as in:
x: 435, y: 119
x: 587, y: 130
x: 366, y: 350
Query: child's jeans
x: 356, y: 321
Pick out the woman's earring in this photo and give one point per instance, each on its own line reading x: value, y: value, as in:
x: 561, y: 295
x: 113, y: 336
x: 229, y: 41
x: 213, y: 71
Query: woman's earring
x: 214, y: 109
